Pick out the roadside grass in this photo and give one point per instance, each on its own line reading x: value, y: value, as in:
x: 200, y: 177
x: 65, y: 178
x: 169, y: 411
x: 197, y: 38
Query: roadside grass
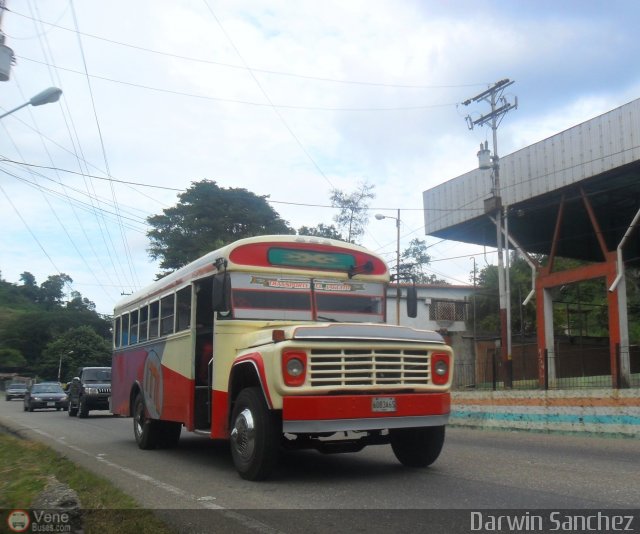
x: 25, y: 468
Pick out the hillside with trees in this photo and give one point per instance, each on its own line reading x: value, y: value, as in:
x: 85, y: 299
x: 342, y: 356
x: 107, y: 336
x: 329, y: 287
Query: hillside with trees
x: 39, y: 329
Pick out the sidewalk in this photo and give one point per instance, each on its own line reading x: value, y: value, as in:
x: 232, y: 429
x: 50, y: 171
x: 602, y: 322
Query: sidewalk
x: 611, y: 412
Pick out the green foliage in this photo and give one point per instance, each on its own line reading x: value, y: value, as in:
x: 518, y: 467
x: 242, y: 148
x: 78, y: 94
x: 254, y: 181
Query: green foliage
x: 27, y: 466
x: 487, y: 305
x: 33, y: 316
x: 52, y: 290
x: 77, y: 347
x: 579, y: 309
x: 11, y: 359
x: 414, y: 261
x: 321, y: 230
x: 353, y: 215
x: 207, y: 217
x: 78, y: 303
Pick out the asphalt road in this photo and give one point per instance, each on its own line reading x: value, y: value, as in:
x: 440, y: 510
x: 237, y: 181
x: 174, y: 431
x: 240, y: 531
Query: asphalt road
x: 477, y: 470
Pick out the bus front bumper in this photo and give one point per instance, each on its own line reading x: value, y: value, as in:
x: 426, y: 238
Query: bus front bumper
x: 331, y: 413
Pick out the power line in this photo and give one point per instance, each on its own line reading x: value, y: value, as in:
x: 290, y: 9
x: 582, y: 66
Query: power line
x: 44, y: 251
x: 77, y: 146
x: 422, y: 107
x: 254, y: 69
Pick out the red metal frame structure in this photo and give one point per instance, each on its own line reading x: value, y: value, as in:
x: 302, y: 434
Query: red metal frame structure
x: 547, y: 279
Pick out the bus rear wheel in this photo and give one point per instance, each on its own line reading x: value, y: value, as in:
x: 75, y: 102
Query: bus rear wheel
x: 255, y: 435
x: 417, y: 447
x: 145, y: 429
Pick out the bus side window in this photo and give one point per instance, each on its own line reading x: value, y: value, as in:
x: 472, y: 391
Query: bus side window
x: 125, y: 329
x: 116, y: 330
x: 133, y: 328
x: 154, y: 314
x: 183, y: 309
x: 144, y: 323
x: 166, y: 315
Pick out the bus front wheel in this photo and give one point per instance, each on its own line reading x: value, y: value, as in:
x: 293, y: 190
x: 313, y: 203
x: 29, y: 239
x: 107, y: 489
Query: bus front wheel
x: 145, y: 429
x: 417, y: 447
x: 255, y: 435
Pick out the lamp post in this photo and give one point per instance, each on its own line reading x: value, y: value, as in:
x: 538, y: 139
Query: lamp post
x: 60, y: 364
x: 52, y: 94
x: 379, y: 216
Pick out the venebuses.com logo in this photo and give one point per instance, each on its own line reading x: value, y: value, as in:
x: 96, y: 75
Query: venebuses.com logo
x: 18, y: 521
x: 38, y: 521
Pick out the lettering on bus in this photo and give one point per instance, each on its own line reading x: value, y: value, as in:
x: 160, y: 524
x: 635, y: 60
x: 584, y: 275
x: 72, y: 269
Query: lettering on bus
x: 152, y: 384
x: 321, y: 285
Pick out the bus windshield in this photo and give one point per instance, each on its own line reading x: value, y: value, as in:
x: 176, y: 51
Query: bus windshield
x: 272, y: 297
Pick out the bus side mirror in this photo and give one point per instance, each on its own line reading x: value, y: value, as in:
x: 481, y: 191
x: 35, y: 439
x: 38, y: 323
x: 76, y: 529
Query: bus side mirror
x: 221, y: 293
x: 412, y: 301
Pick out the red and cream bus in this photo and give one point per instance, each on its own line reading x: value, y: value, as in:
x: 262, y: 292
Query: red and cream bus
x: 279, y: 342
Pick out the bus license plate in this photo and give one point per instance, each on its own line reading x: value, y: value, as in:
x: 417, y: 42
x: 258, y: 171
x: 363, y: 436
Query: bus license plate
x: 383, y: 404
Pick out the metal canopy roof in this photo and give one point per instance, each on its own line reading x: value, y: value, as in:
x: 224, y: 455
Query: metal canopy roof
x: 599, y: 158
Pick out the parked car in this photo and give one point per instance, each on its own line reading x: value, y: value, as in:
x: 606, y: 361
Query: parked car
x: 15, y: 391
x: 90, y: 390
x: 45, y: 395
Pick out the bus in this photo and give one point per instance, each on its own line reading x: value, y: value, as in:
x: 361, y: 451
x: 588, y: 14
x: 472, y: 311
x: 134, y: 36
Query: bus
x: 276, y: 343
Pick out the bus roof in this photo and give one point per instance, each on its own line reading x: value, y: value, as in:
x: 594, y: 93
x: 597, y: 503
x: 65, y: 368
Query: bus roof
x: 238, y: 257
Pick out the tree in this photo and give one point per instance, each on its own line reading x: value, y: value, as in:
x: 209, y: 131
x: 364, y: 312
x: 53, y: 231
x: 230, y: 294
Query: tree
x: 77, y: 347
x: 487, y: 304
x: 29, y: 287
x: 321, y: 230
x: 52, y: 290
x: 207, y: 217
x: 353, y: 215
x: 413, y: 262
x: 11, y: 359
x: 79, y: 303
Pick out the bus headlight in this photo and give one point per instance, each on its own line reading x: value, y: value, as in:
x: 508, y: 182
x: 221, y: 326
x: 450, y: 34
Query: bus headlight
x: 294, y: 367
x: 440, y: 367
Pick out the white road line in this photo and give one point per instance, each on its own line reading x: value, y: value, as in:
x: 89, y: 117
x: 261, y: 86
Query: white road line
x: 204, y: 502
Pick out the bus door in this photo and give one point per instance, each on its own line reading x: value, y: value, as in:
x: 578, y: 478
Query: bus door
x: 203, y: 354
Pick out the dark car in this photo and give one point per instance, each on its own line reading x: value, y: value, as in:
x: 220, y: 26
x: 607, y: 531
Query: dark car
x: 90, y: 390
x: 45, y: 395
x: 15, y: 391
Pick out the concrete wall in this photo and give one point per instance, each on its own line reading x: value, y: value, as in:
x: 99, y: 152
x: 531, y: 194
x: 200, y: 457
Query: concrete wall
x: 599, y: 411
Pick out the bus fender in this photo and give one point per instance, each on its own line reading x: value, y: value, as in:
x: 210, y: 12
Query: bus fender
x: 248, y: 371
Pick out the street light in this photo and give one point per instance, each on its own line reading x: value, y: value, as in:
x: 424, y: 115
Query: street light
x: 60, y: 364
x: 379, y: 216
x: 52, y: 94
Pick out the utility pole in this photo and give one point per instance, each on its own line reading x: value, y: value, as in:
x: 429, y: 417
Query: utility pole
x: 493, y: 205
x: 6, y: 54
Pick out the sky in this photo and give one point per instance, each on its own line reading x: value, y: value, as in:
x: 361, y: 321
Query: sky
x: 290, y: 100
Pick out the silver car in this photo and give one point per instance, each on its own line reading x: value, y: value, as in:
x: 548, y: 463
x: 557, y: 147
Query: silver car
x: 15, y: 391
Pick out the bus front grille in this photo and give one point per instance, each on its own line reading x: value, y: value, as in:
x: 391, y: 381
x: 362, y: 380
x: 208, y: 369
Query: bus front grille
x: 348, y: 367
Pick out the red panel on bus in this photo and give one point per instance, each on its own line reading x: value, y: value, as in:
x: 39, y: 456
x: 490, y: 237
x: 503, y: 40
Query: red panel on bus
x: 177, y: 396
x: 318, y: 408
x: 258, y: 254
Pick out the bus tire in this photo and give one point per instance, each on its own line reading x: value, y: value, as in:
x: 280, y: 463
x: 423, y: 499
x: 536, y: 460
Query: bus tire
x: 145, y: 430
x: 417, y: 447
x: 255, y: 435
x: 168, y: 434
